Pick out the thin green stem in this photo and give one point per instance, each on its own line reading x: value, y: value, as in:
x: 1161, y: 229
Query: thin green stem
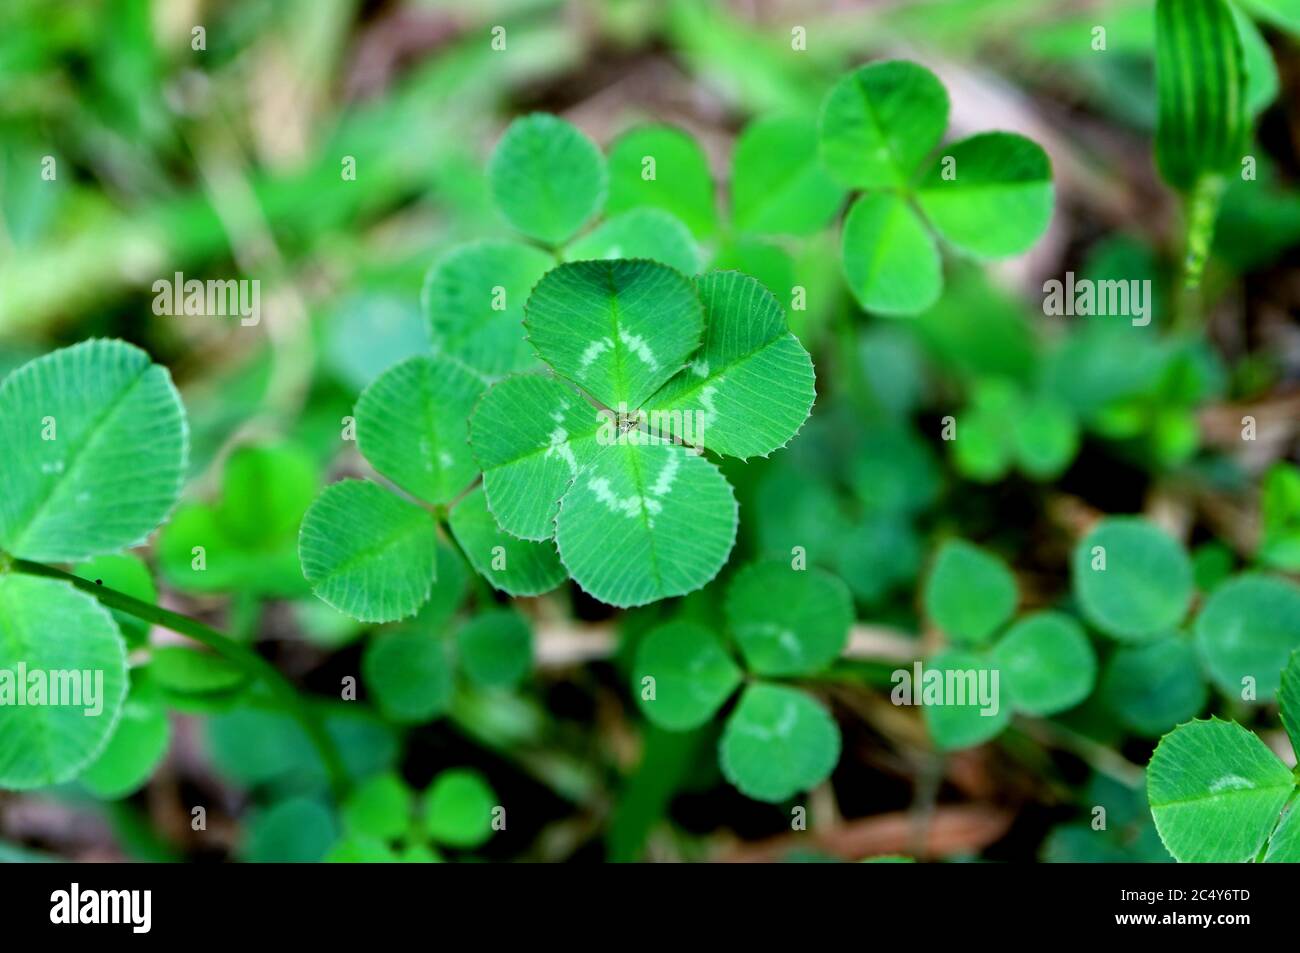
x: 1201, y: 209
x: 241, y: 655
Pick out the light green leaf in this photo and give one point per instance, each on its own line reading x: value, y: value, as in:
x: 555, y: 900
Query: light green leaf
x: 640, y: 233
x: 547, y: 177
x: 960, y: 718
x: 1289, y: 700
x: 1047, y: 663
x: 1046, y: 437
x: 410, y: 674
x: 750, y: 387
x: 368, y: 553
x: 297, y: 830
x: 95, y: 452
x: 1261, y: 72
x: 130, y: 575
x: 778, y: 742
x: 192, y: 672
x: 778, y: 184
x: 662, y: 167
x: 618, y: 329
x: 1215, y: 792
x: 531, y: 435
x: 879, y: 122
x: 786, y: 621
x: 459, y: 808
x: 43, y: 743
x: 1284, y: 844
x: 1155, y: 686
x: 890, y: 258
x: 645, y: 521
x: 412, y: 425
x: 998, y: 198
x: 969, y: 593
x: 474, y: 300
x: 692, y: 675
x: 360, y: 849
x: 1248, y: 628
x: 137, y: 746
x: 380, y: 808
x: 1145, y: 586
x: 265, y: 490
x: 519, y: 567
x: 496, y: 648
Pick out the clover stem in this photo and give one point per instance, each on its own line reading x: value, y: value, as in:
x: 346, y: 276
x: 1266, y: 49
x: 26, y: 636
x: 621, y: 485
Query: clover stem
x: 1202, y: 209
x: 241, y: 655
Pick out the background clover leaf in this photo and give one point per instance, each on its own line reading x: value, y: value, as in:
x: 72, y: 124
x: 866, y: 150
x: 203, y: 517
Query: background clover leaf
x: 410, y: 672
x: 880, y: 121
x: 778, y: 742
x: 778, y: 184
x: 644, y: 521
x: 411, y: 426
x: 136, y: 747
x: 496, y: 648
x: 1247, y: 629
x: 1145, y: 586
x: 692, y: 674
x: 1216, y: 776
x: 955, y: 725
x: 997, y: 202
x: 1047, y: 663
x: 786, y: 621
x: 367, y: 552
x: 95, y: 449
x: 969, y: 593
x: 473, y: 301
x: 1154, y: 686
x: 662, y: 167
x: 547, y: 177
x: 618, y: 329
x: 649, y: 233
x: 750, y: 387
x: 891, y: 260
x: 47, y: 626
x: 458, y: 809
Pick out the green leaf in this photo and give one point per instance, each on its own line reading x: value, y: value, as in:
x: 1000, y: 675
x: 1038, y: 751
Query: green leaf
x: 640, y: 233
x: 1155, y: 686
x: 473, y: 300
x: 1046, y: 437
x: 959, y: 718
x: 130, y: 575
x: 458, y: 810
x: 778, y: 742
x: 380, y: 808
x: 1284, y: 844
x: 618, y: 329
x: 410, y: 674
x: 519, y: 567
x: 1047, y: 663
x: 368, y: 553
x: 192, y: 672
x: 547, y: 177
x: 95, y: 452
x: 662, y: 167
x: 691, y: 673
x: 265, y: 490
x: 1262, y: 81
x: 1248, y: 628
x: 778, y: 184
x: 997, y: 200
x: 1289, y: 700
x: 985, y: 447
x: 644, y: 521
x: 969, y: 593
x: 297, y: 830
x: 43, y: 743
x: 1201, y: 89
x: 360, y: 849
x: 1279, y: 545
x: 412, y: 425
x: 1133, y: 580
x: 890, y: 259
x: 750, y: 387
x: 879, y: 122
x: 496, y: 648
x: 1215, y: 792
x: 531, y: 435
x: 134, y: 751
x: 786, y: 621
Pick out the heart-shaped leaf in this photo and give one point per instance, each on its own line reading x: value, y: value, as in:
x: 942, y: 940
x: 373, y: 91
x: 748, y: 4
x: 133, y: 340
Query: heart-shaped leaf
x: 516, y: 566
x: 787, y: 621
x: 691, y: 675
x: 778, y: 183
x: 662, y: 167
x: 778, y: 742
x: 890, y: 259
x: 648, y: 233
